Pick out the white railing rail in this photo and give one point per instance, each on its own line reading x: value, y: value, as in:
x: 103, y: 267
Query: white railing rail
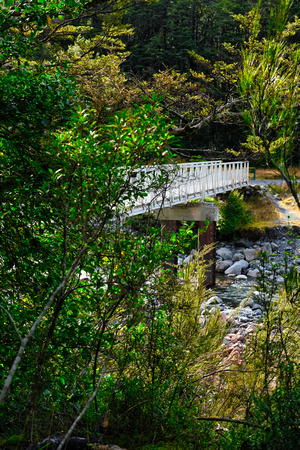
x: 182, y: 183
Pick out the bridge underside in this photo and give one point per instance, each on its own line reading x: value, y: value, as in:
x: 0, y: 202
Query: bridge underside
x: 198, y: 213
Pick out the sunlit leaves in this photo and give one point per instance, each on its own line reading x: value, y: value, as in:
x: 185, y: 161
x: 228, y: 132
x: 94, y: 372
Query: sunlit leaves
x: 269, y: 83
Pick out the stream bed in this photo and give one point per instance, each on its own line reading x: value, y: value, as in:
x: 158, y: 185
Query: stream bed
x: 231, y: 291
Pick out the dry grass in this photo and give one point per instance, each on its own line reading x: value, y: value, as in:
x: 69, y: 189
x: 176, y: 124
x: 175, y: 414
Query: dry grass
x: 290, y: 204
x: 265, y: 214
x: 272, y: 174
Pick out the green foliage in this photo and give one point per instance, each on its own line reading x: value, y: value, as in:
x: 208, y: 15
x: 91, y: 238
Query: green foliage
x: 155, y: 393
x: 269, y: 84
x: 233, y: 215
x: 72, y: 277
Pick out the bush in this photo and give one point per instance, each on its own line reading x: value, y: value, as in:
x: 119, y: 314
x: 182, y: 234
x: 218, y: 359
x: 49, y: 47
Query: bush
x: 233, y: 215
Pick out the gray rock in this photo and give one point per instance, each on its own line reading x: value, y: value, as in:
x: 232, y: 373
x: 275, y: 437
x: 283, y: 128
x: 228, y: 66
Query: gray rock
x: 214, y: 300
x: 251, y: 253
x: 214, y: 310
x: 256, y: 306
x: 237, y: 257
x: 227, y: 313
x: 225, y: 253
x: 248, y: 301
x: 221, y: 266
x: 246, y: 311
x: 274, y: 246
x: 188, y: 259
x: 237, y: 267
x: 243, y: 243
x: 252, y: 273
x: 267, y: 248
x: 243, y: 319
x: 241, y: 277
x: 254, y: 264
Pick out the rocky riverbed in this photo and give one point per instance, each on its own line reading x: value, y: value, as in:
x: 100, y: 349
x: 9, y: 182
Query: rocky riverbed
x: 238, y: 266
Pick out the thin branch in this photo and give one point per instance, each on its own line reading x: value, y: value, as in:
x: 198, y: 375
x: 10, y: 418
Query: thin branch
x: 11, y: 321
x: 226, y: 419
x: 78, y: 418
x: 29, y: 335
x: 196, y: 124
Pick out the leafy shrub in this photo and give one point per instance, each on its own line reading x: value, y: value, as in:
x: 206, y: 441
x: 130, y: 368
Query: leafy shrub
x: 233, y: 214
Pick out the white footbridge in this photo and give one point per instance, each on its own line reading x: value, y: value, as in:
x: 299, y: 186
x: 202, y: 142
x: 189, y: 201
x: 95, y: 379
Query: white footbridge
x: 182, y: 183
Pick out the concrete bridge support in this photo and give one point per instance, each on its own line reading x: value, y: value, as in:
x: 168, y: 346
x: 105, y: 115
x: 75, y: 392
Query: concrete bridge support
x: 198, y: 213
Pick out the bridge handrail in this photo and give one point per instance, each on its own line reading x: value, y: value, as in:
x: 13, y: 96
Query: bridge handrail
x: 186, y: 182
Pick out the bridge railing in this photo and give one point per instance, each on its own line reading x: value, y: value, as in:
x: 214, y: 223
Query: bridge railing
x: 182, y: 183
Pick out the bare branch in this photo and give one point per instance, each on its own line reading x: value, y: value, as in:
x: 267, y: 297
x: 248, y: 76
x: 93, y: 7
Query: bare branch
x: 197, y: 123
x: 88, y: 403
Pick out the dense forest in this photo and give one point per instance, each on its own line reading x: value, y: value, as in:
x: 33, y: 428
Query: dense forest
x: 99, y: 344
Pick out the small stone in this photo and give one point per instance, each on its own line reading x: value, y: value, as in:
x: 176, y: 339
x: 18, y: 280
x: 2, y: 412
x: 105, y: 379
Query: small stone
x: 254, y: 264
x: 243, y: 319
x: 274, y: 246
x: 227, y: 313
x: 247, y: 302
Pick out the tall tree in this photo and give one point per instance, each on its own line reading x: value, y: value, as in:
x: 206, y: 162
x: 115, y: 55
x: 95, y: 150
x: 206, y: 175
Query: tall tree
x: 269, y: 84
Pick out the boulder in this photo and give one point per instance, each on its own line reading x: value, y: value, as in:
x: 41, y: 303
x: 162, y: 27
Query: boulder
x: 225, y: 253
x: 237, y: 257
x: 188, y: 259
x: 221, y: 266
x: 251, y: 253
x: 237, y: 267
